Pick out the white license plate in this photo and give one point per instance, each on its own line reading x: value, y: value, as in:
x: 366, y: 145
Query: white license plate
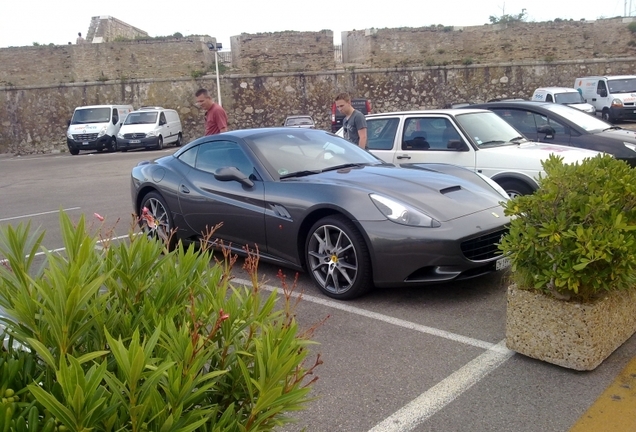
x: 502, y: 263
x: 85, y: 143
x: 135, y: 141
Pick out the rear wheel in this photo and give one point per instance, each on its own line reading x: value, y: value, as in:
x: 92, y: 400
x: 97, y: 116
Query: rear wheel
x: 160, y: 142
x: 515, y: 188
x: 338, y: 259
x: 155, y: 219
x: 179, y: 140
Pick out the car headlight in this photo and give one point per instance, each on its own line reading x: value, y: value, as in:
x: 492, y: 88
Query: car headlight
x: 630, y: 146
x: 151, y: 134
x: 69, y: 134
x: 102, y: 132
x: 617, y: 103
x: 493, y: 184
x: 120, y: 135
x: 402, y: 213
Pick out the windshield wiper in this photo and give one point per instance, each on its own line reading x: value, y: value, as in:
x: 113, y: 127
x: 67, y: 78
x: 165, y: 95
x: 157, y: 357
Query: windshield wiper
x: 517, y: 139
x: 347, y: 165
x: 300, y: 174
x: 492, y: 142
x: 612, y: 128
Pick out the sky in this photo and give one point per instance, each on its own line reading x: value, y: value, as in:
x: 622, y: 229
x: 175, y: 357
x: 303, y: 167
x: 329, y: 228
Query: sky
x: 23, y: 22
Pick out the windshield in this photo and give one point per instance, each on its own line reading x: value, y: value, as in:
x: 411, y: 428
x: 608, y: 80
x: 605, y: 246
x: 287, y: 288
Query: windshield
x: 306, y: 150
x: 299, y: 121
x: 91, y: 115
x: 626, y: 85
x: 568, y: 98
x: 487, y: 129
x: 579, y: 118
x: 141, y: 118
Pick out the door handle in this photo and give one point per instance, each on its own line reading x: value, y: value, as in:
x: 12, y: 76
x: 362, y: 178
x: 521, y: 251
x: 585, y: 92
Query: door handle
x: 184, y: 189
x: 403, y: 157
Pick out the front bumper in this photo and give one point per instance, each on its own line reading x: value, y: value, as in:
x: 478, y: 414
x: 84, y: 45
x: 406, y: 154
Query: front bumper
x: 79, y: 142
x: 404, y: 255
x: 625, y: 113
x: 124, y: 143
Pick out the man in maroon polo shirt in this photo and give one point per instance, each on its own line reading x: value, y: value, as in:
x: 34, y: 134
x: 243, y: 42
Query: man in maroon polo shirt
x: 215, y: 116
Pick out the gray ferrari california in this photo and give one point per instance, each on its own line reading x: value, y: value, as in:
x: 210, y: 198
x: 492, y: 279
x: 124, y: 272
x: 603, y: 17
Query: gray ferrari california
x: 309, y: 200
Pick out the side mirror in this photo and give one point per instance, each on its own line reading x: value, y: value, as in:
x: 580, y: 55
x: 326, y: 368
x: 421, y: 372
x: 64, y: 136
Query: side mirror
x: 232, y: 174
x: 456, y: 144
x: 602, y: 93
x: 547, y: 130
x: 68, y: 123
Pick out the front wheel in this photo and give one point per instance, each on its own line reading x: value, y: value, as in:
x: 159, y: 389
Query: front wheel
x: 160, y: 143
x: 605, y: 115
x: 73, y: 151
x: 113, y: 147
x: 155, y: 219
x: 515, y: 188
x: 338, y: 259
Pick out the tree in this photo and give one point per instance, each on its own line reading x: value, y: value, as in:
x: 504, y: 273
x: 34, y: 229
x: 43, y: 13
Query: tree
x: 509, y: 19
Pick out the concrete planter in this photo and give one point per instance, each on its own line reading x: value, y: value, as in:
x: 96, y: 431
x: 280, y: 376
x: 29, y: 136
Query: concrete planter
x: 573, y: 335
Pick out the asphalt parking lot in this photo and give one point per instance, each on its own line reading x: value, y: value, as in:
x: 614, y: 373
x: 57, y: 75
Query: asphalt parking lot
x: 422, y: 358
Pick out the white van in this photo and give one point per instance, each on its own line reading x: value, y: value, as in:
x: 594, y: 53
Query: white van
x: 95, y: 127
x: 150, y: 127
x: 564, y: 96
x: 613, y: 96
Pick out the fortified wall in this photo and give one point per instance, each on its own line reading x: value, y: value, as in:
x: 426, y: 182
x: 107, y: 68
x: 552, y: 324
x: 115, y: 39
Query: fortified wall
x: 40, y: 86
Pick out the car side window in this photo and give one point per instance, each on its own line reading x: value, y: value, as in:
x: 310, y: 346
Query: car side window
x: 559, y: 128
x: 428, y: 133
x: 189, y: 156
x: 220, y: 154
x: 548, y: 98
x: 162, y: 119
x: 601, y: 87
x: 115, y: 116
x: 381, y: 133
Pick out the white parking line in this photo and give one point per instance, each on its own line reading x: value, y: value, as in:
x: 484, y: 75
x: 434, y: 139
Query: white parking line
x: 443, y: 393
x: 39, y: 214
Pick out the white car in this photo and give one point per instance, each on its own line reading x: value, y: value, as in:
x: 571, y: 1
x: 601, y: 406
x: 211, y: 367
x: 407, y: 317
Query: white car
x: 476, y: 139
x: 564, y: 96
x: 300, y: 121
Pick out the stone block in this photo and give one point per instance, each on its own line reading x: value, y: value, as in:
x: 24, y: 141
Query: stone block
x: 570, y: 334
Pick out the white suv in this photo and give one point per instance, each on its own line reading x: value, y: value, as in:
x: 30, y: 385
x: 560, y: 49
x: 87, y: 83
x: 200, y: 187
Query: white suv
x: 473, y: 138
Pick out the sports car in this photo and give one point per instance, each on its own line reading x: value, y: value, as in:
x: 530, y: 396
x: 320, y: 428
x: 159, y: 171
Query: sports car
x: 309, y: 200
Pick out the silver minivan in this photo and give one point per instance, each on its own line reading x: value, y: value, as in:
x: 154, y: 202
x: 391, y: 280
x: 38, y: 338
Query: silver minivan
x: 150, y: 127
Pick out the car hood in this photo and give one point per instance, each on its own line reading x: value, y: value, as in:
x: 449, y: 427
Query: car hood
x: 620, y: 134
x: 442, y: 196
x: 528, y: 154
x: 136, y: 128
x: 583, y: 106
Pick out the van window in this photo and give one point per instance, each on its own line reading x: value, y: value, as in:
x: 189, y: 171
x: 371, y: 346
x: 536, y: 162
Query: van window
x: 626, y: 85
x: 548, y: 98
x: 115, y: 116
x: 91, y: 115
x: 162, y: 119
x: 141, y: 118
x: 601, y: 87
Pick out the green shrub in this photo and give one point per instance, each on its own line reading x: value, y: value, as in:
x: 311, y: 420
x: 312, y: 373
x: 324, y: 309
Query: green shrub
x: 632, y: 26
x: 129, y: 336
x: 575, y: 237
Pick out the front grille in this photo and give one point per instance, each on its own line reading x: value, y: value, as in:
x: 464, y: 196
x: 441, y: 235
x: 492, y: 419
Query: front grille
x: 628, y: 103
x: 85, y: 137
x: 484, y: 247
x: 135, y: 135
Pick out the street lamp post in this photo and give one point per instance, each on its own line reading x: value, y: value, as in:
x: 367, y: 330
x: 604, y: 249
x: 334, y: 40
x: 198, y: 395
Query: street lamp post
x: 213, y: 46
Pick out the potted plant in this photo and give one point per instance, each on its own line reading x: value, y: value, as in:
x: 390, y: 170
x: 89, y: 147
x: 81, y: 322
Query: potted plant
x: 572, y: 246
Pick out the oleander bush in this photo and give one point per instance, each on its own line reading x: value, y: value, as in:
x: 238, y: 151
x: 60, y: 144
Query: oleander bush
x: 575, y: 237
x: 128, y: 336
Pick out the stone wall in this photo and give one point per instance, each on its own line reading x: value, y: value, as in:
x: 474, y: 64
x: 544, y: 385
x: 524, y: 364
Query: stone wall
x: 60, y: 64
x: 108, y: 29
x: 282, y: 51
x: 33, y: 120
x: 439, y: 45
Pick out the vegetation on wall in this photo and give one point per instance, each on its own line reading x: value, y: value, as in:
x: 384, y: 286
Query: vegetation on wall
x: 509, y: 19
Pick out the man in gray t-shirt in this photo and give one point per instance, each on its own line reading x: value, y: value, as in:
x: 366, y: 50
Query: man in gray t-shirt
x: 354, y: 124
